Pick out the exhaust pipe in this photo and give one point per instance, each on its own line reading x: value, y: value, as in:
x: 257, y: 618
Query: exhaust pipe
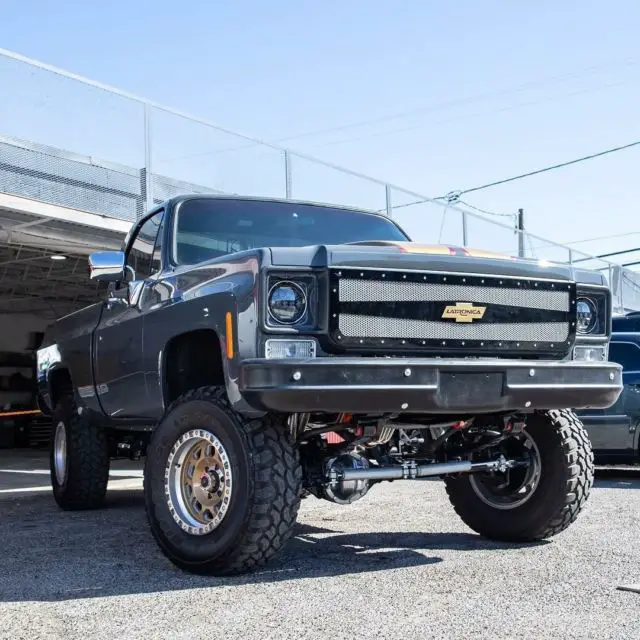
x: 411, y: 470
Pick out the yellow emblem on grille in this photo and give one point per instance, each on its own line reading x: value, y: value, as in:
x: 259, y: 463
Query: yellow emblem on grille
x: 463, y: 312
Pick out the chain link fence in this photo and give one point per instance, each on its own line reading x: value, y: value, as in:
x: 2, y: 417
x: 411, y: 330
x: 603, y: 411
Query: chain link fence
x: 73, y: 142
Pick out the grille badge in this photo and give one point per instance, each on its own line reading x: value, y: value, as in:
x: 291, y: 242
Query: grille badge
x: 463, y: 312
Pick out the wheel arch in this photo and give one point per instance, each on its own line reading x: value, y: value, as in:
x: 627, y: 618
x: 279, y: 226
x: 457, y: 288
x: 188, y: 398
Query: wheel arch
x: 59, y: 384
x: 217, y: 321
x: 190, y: 360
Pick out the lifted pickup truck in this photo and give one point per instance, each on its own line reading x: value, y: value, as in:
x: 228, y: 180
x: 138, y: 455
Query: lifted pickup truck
x: 259, y: 351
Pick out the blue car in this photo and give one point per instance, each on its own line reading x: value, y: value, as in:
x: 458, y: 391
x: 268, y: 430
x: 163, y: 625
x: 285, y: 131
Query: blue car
x: 615, y: 432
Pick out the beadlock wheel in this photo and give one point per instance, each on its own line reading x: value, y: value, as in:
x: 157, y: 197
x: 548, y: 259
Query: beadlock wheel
x: 198, y: 482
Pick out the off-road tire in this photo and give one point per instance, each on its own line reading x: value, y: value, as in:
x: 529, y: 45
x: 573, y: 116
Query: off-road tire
x: 267, y: 485
x: 567, y: 473
x: 87, y: 459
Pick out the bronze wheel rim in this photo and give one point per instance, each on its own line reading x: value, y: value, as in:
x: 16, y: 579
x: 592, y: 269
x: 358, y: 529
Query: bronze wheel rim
x: 198, y: 482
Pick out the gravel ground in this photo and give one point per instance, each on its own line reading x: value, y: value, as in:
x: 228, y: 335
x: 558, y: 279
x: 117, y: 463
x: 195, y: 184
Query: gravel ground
x: 398, y: 564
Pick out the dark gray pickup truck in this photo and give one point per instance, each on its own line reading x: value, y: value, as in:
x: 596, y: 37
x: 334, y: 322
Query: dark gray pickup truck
x: 259, y: 351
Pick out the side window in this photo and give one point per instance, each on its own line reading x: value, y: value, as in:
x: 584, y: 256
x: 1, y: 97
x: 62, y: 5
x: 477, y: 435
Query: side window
x: 143, y: 260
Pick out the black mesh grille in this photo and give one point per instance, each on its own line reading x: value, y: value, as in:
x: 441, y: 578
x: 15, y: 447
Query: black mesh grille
x: 387, y: 310
x: 355, y: 290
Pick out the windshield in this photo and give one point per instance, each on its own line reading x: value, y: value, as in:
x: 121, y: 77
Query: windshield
x: 208, y: 228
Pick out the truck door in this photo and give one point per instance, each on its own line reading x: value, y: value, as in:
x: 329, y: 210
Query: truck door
x: 118, y: 365
x: 612, y: 431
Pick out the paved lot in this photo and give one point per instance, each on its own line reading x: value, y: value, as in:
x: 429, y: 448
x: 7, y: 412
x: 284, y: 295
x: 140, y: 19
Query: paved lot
x: 398, y: 564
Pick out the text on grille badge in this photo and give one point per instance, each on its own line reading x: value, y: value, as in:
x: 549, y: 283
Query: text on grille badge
x: 463, y: 312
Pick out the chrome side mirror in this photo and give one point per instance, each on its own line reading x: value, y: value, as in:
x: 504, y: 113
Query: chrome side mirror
x: 107, y: 266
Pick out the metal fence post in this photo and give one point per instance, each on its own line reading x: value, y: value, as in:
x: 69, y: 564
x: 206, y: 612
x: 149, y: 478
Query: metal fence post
x: 388, y: 203
x: 147, y: 157
x: 522, y: 243
x: 614, y: 292
x: 288, y: 183
x: 520, y: 231
x: 464, y: 229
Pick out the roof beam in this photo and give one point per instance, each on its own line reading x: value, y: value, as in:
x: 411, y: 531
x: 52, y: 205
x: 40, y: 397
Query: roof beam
x: 67, y: 214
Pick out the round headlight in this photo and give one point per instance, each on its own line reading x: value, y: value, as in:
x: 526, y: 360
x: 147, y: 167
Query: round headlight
x: 587, y: 315
x: 287, y: 302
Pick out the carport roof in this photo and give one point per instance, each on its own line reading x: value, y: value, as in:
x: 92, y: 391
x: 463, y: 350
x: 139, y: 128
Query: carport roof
x: 31, y: 232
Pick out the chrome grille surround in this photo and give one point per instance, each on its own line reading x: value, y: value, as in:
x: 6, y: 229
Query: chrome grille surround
x: 390, y: 311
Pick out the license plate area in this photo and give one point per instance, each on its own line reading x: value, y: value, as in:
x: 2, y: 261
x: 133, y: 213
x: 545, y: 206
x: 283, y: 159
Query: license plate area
x: 465, y: 389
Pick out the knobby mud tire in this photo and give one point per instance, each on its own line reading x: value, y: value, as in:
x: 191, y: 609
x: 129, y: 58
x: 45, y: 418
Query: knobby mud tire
x: 267, y: 487
x: 87, y: 460
x: 567, y: 474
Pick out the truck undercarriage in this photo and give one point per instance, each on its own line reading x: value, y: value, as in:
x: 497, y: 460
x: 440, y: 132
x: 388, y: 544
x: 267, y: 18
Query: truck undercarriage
x: 344, y: 457
x: 494, y: 460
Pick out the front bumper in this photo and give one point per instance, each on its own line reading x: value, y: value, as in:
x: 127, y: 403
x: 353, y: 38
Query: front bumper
x: 427, y: 385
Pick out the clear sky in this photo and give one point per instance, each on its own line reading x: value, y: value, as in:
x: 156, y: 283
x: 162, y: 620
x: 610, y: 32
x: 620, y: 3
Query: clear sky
x: 455, y: 94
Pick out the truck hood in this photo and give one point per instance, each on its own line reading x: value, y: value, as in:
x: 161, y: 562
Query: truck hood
x: 426, y: 257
